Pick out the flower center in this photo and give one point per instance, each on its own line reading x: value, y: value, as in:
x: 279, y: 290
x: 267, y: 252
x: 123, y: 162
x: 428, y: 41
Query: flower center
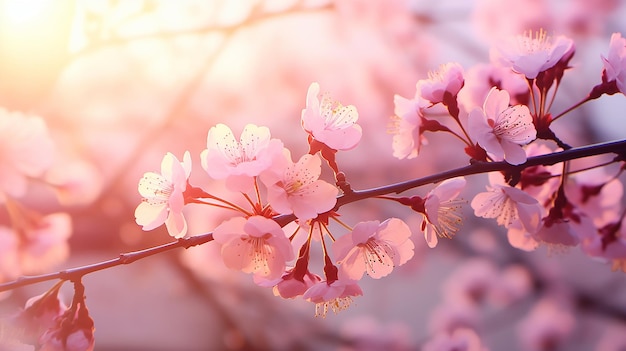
x: 336, y: 116
x: 377, y: 253
x: 261, y: 253
x: 157, y: 188
x: 449, y: 218
x: 529, y: 44
x: 336, y: 305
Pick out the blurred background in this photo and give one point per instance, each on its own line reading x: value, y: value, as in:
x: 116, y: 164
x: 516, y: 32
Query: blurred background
x: 120, y: 83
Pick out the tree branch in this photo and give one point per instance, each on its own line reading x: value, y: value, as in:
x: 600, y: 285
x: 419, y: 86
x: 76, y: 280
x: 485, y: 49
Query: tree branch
x: 617, y: 147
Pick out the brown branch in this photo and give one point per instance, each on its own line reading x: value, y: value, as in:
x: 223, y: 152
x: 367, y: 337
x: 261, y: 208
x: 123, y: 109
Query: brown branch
x: 617, y: 147
x: 124, y: 258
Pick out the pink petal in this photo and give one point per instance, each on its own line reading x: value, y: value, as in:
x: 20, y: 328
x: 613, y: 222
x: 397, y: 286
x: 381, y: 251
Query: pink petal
x: 353, y: 266
x: 342, y: 246
x: 342, y: 139
x: 363, y: 231
x: 496, y: 101
x: 519, y: 238
x: 238, y: 255
x: 150, y: 216
x: 394, y: 230
x: 488, y: 204
x: 513, y: 153
x: 229, y: 229
x: 176, y: 225
x: 431, y: 236
x: 449, y: 188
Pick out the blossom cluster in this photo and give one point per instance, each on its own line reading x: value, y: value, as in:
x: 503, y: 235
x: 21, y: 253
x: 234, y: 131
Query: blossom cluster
x: 274, y: 186
x: 34, y: 242
x: 500, y: 112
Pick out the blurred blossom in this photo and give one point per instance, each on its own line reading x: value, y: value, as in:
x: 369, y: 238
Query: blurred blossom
x: 368, y: 334
x: 76, y: 182
x: 40, y: 241
x: 471, y: 282
x: 45, y: 245
x: 497, y: 19
x: 26, y: 151
x: 9, y: 261
x: 613, y: 338
x: 596, y: 194
x: 547, y: 327
x: 451, y: 315
x: 512, y: 284
x: 461, y: 339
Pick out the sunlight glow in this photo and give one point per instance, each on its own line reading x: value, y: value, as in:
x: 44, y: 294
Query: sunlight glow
x: 23, y: 13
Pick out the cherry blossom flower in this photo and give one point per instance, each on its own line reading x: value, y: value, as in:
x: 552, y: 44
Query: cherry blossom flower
x: 239, y: 161
x: 501, y: 129
x: 441, y: 211
x: 163, y: 199
x: 530, y: 55
x: 373, y: 247
x: 406, y: 126
x: 26, y: 150
x: 255, y: 245
x: 447, y: 79
x: 336, y: 296
x: 329, y: 122
x: 615, y: 62
x: 296, y: 188
x: 507, y: 205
